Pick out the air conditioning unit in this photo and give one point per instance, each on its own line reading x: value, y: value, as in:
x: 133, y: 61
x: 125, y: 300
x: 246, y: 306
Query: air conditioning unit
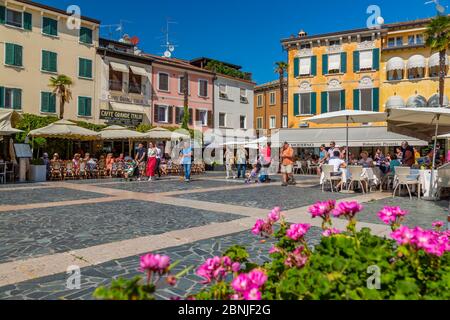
x: 303, y: 125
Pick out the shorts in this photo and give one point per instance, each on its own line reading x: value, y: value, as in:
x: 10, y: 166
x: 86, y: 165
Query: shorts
x: 287, y: 169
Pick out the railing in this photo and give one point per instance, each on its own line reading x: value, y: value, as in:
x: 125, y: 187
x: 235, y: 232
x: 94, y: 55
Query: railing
x: 132, y: 88
x: 115, y: 85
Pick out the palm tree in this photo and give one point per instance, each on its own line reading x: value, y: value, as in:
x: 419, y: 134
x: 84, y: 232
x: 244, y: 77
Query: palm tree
x: 186, y: 116
x: 281, y: 68
x: 438, y: 39
x: 61, y: 87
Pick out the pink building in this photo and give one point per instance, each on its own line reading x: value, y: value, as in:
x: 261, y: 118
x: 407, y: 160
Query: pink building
x: 168, y: 97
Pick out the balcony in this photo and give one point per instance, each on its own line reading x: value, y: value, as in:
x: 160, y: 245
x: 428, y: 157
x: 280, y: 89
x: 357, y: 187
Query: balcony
x: 115, y: 85
x: 136, y: 89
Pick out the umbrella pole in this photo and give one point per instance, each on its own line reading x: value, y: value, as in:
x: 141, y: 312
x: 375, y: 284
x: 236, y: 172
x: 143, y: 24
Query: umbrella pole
x: 347, y: 151
x: 433, y: 165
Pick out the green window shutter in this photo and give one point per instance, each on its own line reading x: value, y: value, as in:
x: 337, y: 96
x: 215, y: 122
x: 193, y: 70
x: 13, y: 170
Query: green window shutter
x: 52, y: 103
x: 376, y: 59
x: 314, y: 65
x: 85, y: 35
x: 18, y: 55
x: 296, y: 67
x: 49, y: 61
x: 296, y: 104
x: 17, y: 99
x: 376, y: 99
x: 324, y: 64
x: 44, y: 101
x: 9, y: 54
x: 324, y: 102
x: 343, y: 100
x: 45, y: 60
x: 356, y: 99
x: 355, y: 61
x: 2, y: 97
x: 313, y: 103
x: 81, y: 106
x: 344, y: 62
x: 27, y: 21
x: 49, y: 26
x: 85, y: 68
x: 2, y: 15
x: 53, y: 61
x: 88, y: 107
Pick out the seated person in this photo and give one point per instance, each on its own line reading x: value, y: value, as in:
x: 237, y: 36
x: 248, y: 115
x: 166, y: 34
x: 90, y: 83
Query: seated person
x: 365, y: 161
x: 393, y: 163
x: 129, y: 169
x: 253, y: 175
x: 337, y: 162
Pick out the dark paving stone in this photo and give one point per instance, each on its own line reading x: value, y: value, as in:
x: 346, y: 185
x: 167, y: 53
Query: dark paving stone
x: 421, y: 213
x: 54, y: 287
x: 19, y: 197
x: 267, y: 197
x: 30, y: 233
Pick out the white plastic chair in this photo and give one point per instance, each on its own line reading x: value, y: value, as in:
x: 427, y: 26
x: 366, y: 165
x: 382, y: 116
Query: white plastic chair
x: 403, y: 178
x: 356, y: 174
x: 327, y: 171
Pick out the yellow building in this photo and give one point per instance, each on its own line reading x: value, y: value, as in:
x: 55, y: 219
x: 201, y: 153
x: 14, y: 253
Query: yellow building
x: 409, y: 70
x: 38, y: 42
x: 332, y: 72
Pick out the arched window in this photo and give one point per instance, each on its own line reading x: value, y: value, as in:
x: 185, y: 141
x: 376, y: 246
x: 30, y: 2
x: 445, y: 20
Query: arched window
x: 416, y: 67
x: 395, y: 69
x: 433, y: 65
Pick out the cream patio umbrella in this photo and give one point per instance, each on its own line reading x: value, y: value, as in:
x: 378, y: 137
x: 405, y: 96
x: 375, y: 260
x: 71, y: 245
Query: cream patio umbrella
x: 7, y: 121
x: 121, y: 133
x: 423, y: 123
x: 164, y: 134
x: 347, y: 117
x: 64, y: 129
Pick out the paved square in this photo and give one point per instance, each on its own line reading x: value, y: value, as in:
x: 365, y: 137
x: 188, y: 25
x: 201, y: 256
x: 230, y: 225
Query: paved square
x: 27, y: 196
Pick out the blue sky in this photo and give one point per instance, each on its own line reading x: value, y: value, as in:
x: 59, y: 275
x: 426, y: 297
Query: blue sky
x: 243, y: 32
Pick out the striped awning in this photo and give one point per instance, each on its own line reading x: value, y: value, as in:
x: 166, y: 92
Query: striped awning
x: 139, y: 71
x: 119, y: 67
x: 395, y: 63
x: 434, y: 60
x: 395, y: 102
x: 416, y: 61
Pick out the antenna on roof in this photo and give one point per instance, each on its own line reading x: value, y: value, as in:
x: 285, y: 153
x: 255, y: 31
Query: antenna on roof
x: 114, y: 29
x: 169, y: 46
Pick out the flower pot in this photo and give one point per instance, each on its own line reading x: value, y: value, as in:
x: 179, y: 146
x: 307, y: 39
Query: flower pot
x: 38, y: 173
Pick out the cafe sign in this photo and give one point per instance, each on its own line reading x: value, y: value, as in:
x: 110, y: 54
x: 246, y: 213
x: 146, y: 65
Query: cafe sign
x: 122, y: 117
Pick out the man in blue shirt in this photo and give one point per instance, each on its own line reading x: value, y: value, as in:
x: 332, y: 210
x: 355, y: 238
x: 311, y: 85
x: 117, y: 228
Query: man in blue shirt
x: 186, y: 161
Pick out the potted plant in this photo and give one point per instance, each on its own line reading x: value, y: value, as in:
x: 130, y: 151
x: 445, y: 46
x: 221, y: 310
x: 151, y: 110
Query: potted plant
x: 38, y: 172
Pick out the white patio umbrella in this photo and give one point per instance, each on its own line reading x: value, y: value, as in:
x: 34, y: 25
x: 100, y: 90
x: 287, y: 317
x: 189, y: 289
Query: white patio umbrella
x: 347, y: 117
x: 164, y: 134
x: 120, y: 133
x: 424, y: 123
x: 64, y: 129
x: 7, y: 122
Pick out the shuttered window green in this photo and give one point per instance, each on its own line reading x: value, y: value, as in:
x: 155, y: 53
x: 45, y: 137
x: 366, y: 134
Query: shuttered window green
x: 27, y: 21
x: 376, y: 99
x: 343, y: 100
x: 376, y: 59
x: 324, y: 64
x: 85, y: 35
x: 84, y: 106
x: 85, y: 68
x: 314, y: 65
x: 49, y: 61
x: 324, y: 102
x: 49, y: 26
x: 355, y: 61
x: 48, y: 102
x: 296, y: 67
x: 2, y: 97
x: 17, y: 99
x: 2, y: 15
x: 344, y: 62
x: 296, y: 104
x: 13, y: 55
x: 313, y: 103
x: 356, y: 99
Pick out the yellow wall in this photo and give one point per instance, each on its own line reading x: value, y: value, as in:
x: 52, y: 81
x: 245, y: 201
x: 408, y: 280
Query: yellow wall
x: 30, y: 78
x: 319, y: 83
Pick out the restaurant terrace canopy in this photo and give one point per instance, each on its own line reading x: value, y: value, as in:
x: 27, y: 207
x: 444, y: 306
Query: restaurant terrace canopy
x: 64, y: 129
x: 7, y: 121
x: 164, y: 134
x: 120, y: 133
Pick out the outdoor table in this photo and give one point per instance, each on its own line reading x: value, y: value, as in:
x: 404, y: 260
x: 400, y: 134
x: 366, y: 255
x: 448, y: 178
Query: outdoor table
x: 424, y: 177
x: 372, y: 174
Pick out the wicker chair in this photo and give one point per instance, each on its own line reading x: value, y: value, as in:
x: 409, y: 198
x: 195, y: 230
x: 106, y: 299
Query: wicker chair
x: 82, y: 171
x: 69, y: 170
x: 56, y: 170
x: 101, y: 169
x: 118, y: 169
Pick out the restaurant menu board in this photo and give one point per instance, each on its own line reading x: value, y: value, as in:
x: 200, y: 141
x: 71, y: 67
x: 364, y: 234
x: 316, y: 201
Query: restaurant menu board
x: 23, y: 150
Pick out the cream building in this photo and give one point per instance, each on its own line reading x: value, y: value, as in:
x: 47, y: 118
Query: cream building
x: 38, y: 42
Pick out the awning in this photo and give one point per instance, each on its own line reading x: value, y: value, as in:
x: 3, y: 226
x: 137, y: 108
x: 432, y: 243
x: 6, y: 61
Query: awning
x: 8, y: 120
x: 416, y: 61
x: 139, y: 71
x: 395, y: 102
x: 395, y: 63
x: 434, y: 60
x: 305, y: 66
x: 334, y: 62
x: 416, y: 101
x: 366, y: 59
x: 119, y: 67
x: 127, y: 107
x: 358, y: 137
x: 433, y: 102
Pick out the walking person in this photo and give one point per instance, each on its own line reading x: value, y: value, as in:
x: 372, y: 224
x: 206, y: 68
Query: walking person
x: 229, y: 163
x: 287, y: 163
x: 158, y: 161
x: 186, y: 161
x: 151, y: 161
x: 140, y: 160
x: 241, y: 159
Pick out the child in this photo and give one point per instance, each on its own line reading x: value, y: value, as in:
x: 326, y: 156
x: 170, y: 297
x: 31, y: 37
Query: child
x: 253, y: 175
x: 128, y: 169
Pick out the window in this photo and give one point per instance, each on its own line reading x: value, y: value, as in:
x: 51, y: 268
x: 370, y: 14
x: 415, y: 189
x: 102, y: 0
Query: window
x: 10, y: 98
x: 13, y: 55
x: 49, y: 26
x: 395, y: 42
x: 203, y: 88
x: 259, y: 123
x: 272, y: 98
x: 394, y: 75
x: 85, y: 68
x: 416, y: 73
x: 243, y: 95
x: 334, y: 101
x: 285, y: 96
x: 222, y: 119
x: 163, y: 81
x: 14, y: 18
x: 419, y: 39
x: 305, y: 66
x: 243, y: 122
x: 182, y: 84
x: 135, y: 83
x: 48, y: 102
x: 334, y: 43
x: 273, y: 122
x: 366, y: 38
x: 49, y: 61
x: 163, y: 114
x: 366, y: 60
x: 203, y: 117
x: 334, y: 63
x: 305, y: 103
x: 259, y: 100
x: 84, y: 106
x: 85, y: 35
x: 223, y: 91
x: 415, y: 39
x: 115, y: 80
x: 366, y: 99
x: 285, y: 121
x: 305, y: 46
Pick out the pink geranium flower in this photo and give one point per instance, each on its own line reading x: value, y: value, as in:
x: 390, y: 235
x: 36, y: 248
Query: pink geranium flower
x: 298, y: 231
x: 347, y: 209
x: 154, y: 263
x: 331, y: 232
x: 391, y: 215
x: 322, y: 209
x: 217, y: 269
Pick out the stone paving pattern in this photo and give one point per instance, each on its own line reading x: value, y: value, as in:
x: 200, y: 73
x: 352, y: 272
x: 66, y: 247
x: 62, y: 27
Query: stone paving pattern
x: 16, y: 197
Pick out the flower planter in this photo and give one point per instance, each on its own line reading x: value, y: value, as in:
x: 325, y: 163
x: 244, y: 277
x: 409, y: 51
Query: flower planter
x: 38, y: 173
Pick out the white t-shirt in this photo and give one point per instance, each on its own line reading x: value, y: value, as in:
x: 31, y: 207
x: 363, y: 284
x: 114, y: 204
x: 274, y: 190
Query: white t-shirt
x: 336, y: 162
